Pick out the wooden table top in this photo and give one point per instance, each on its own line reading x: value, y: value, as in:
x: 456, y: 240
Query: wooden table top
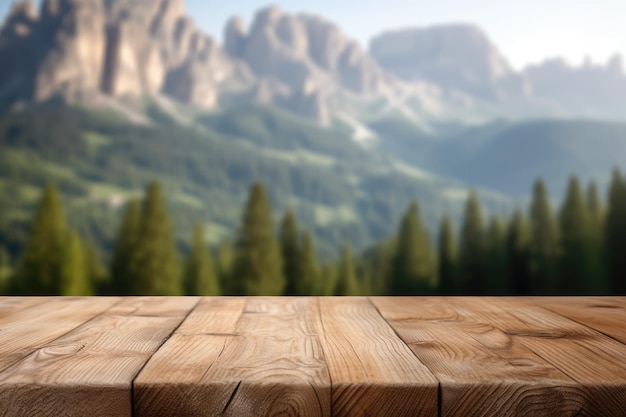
x: 312, y: 356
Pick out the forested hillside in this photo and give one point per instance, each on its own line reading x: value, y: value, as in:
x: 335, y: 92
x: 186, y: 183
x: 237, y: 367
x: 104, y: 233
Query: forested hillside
x: 576, y: 249
x: 348, y: 198
x: 340, y: 190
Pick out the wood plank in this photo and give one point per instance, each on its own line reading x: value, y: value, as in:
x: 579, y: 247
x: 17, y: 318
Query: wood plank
x: 594, y: 360
x: 604, y: 314
x: 264, y: 359
x: 373, y: 372
x: 482, y: 371
x: 24, y: 330
x: 89, y: 371
x: 9, y: 305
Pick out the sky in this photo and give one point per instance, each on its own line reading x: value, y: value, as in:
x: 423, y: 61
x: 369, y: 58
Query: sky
x: 526, y: 32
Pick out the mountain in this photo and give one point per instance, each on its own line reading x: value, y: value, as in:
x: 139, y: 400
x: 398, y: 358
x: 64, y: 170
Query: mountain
x: 508, y: 156
x: 338, y: 189
x: 591, y: 90
x: 118, y: 54
x: 93, y: 51
x: 129, y: 55
x: 511, y: 158
x: 461, y: 57
x: 114, y: 93
x: 456, y: 57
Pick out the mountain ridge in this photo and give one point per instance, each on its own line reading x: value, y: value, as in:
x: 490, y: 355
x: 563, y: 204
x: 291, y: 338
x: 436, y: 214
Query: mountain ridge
x: 117, y: 54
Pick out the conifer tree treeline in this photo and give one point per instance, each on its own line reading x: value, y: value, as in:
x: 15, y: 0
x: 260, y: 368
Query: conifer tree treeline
x: 55, y: 261
x: 577, y: 249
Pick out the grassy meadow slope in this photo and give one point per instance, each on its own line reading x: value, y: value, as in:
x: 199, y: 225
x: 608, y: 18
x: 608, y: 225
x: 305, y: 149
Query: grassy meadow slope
x: 339, y: 189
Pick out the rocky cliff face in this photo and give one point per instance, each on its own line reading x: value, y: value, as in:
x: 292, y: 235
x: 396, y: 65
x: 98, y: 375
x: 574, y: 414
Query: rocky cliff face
x: 458, y: 57
x: 122, y: 49
x: 461, y: 58
x: 303, y: 49
x: 307, y: 55
x: 17, y: 69
x: 120, y: 52
x: 591, y: 90
x: 130, y: 49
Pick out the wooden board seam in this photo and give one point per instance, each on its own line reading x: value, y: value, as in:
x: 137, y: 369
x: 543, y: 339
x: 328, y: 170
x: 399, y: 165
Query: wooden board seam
x: 498, y: 354
x: 581, y: 323
x: 551, y: 362
x: 402, y: 340
x: 132, y: 384
x: 220, y: 354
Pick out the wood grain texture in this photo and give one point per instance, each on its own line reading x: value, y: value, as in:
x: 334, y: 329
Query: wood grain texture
x: 593, y: 360
x: 89, y: 371
x: 482, y: 370
x: 606, y: 315
x: 243, y: 357
x: 28, y: 323
x: 373, y: 372
x: 307, y: 356
x: 9, y: 305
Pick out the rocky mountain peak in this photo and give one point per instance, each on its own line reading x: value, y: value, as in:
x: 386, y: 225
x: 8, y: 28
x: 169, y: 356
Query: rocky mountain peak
x: 122, y: 51
x: 19, y: 21
x: 83, y: 49
x: 299, y: 49
x: 235, y: 36
x: 459, y: 56
x: 615, y: 65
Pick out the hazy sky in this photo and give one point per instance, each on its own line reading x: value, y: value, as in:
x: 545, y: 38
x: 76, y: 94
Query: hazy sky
x: 525, y: 31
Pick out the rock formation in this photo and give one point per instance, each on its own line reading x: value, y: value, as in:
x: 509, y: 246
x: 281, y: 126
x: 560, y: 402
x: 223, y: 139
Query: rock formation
x: 590, y: 90
x: 118, y: 48
x: 459, y: 57
x: 120, y: 52
x: 299, y: 49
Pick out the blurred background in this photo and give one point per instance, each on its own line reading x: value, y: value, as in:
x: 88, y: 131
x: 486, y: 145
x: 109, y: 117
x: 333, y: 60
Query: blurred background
x: 181, y: 147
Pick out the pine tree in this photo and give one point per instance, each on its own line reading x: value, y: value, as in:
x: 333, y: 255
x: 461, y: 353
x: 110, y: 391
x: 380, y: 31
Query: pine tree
x: 95, y: 270
x: 596, y: 209
x: 414, y: 263
x: 448, y: 258
x: 347, y: 283
x: 225, y: 261
x: 5, y: 272
x: 517, y: 246
x: 380, y: 263
x: 290, y: 248
x: 472, y: 248
x: 200, y: 276
x: 39, y: 272
x: 123, y: 254
x: 363, y: 277
x: 74, y: 278
x: 576, y: 262
x: 544, y: 243
x: 496, y: 258
x: 310, y: 280
x: 615, y: 235
x: 154, y: 265
x: 329, y: 278
x: 596, y: 224
x: 258, y: 262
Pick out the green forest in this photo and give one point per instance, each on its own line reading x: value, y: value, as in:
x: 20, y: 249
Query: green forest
x: 574, y: 249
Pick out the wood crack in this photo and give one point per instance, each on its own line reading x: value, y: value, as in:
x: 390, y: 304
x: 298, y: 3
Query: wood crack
x: 232, y: 397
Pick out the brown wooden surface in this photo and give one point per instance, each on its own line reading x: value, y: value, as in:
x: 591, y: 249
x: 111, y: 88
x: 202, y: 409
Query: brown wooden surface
x: 310, y: 356
x: 255, y: 356
x: 89, y: 370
